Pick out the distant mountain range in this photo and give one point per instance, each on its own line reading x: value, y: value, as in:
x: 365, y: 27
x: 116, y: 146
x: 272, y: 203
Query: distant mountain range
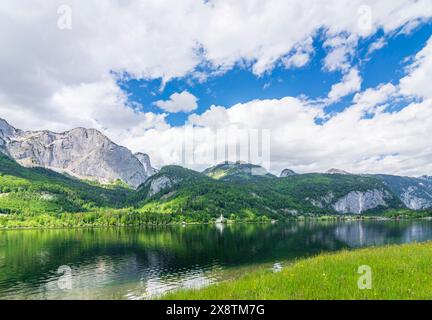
x: 335, y: 191
x: 228, y: 188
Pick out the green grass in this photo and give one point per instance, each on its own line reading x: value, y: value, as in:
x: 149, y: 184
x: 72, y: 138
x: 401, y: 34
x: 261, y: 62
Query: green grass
x: 398, y: 272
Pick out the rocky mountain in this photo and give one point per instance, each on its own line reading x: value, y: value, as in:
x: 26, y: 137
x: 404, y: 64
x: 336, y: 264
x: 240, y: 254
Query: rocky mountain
x: 427, y: 178
x: 234, y: 190
x: 343, y: 194
x: 415, y: 193
x: 358, y: 202
x: 287, y: 173
x: 80, y: 152
x: 291, y: 195
x: 6, y: 131
x: 145, y: 161
x: 226, y: 188
x: 172, y: 178
x: 179, y: 191
x: 336, y: 171
x: 236, y: 171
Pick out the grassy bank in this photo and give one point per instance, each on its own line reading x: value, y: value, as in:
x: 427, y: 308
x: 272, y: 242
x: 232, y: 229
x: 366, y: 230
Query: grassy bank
x: 398, y: 272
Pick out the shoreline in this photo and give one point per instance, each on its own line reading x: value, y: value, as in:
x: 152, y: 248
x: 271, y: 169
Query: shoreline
x: 325, y: 218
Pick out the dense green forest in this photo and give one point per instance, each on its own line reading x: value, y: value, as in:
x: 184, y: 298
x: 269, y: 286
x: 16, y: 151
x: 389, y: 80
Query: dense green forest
x: 38, y: 190
x: 37, y: 197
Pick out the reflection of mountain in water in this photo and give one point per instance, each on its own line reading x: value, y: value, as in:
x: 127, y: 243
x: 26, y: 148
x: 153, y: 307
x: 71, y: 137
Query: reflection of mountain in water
x: 361, y: 234
x: 138, y: 263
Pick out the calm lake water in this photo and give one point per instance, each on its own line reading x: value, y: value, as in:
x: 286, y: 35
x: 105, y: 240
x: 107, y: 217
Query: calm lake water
x: 141, y: 263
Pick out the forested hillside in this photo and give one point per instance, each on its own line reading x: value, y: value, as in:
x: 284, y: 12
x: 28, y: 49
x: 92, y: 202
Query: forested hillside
x: 182, y: 191
x: 38, y: 190
x: 176, y: 194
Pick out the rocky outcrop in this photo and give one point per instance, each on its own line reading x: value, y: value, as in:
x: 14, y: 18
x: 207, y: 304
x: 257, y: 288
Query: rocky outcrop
x: 236, y: 171
x: 323, y: 201
x: 426, y: 178
x: 159, y: 184
x: 6, y: 133
x: 358, y: 202
x: 145, y: 161
x: 415, y: 193
x: 6, y: 130
x: 414, y: 202
x: 412, y: 199
x: 336, y: 171
x: 84, y: 153
x: 287, y: 173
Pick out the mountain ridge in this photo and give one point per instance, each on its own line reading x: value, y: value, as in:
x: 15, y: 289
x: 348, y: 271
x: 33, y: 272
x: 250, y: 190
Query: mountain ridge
x: 183, y: 190
x: 81, y: 152
x: 236, y: 171
x: 225, y: 188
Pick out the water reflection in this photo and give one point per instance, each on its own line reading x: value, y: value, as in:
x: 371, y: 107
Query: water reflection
x: 128, y: 263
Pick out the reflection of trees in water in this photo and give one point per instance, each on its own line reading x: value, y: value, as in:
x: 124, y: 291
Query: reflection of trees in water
x: 27, y: 256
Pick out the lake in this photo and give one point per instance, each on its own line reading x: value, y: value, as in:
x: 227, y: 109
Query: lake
x: 143, y: 263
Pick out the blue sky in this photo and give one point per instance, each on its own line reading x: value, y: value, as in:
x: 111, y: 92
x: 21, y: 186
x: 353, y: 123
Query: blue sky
x: 240, y: 84
x: 302, y: 69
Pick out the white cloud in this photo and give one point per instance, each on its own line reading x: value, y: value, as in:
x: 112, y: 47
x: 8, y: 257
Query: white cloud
x: 374, y: 97
x: 101, y: 105
x: 160, y: 39
x: 395, y: 142
x: 179, y: 102
x: 377, y: 45
x: 410, y: 26
x: 54, y: 79
x: 419, y: 79
x: 301, y: 56
x: 363, y: 138
x: 341, y: 48
x: 351, y: 82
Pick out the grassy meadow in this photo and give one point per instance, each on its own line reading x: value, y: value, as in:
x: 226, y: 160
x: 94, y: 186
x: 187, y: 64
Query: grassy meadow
x: 398, y: 272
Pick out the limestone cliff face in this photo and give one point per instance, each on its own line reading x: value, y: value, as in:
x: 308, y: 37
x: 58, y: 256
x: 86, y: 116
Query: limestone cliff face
x: 159, y: 184
x: 84, y: 153
x: 415, y: 193
x: 417, y: 198
x: 6, y: 132
x: 145, y: 161
x: 359, y: 202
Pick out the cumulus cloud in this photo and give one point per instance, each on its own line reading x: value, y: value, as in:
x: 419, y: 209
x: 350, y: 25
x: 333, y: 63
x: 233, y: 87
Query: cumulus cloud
x: 395, y: 142
x: 362, y: 138
x: 179, y: 102
x: 125, y: 36
x: 373, y: 97
x: 58, y: 79
x: 377, y: 45
x: 351, y: 82
x: 101, y: 105
x: 300, y: 56
x: 341, y: 48
x: 419, y: 78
